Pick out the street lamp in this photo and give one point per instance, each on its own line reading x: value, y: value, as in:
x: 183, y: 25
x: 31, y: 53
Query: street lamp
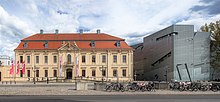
x: 103, y: 69
x: 117, y: 77
x: 135, y: 76
x: 34, y: 75
x: 166, y: 70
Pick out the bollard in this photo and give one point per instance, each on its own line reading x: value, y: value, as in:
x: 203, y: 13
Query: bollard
x: 2, y: 82
x: 10, y: 82
x: 15, y: 82
x: 34, y: 80
x: 102, y: 79
x: 6, y: 82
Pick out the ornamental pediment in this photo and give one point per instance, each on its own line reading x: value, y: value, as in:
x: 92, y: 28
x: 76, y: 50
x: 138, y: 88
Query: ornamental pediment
x: 69, y: 47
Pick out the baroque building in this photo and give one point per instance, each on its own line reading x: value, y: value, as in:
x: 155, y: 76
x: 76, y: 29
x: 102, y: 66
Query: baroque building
x: 88, y: 56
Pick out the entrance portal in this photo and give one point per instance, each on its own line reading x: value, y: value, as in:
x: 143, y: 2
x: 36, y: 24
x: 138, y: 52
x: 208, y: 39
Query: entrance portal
x: 0, y: 76
x: 69, y: 74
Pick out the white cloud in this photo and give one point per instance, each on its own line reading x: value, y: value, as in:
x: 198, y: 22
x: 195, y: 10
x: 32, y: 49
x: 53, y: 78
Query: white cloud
x: 12, y: 29
x: 198, y: 20
x: 129, y: 19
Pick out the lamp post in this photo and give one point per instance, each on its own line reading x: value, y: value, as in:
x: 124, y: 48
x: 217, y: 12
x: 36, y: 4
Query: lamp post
x: 102, y: 73
x: 117, y: 77
x: 166, y: 75
x: 34, y: 75
x: 166, y: 70
x: 135, y: 76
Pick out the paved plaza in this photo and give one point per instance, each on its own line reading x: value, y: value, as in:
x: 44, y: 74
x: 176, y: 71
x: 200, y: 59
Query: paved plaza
x: 69, y: 89
x: 113, y: 98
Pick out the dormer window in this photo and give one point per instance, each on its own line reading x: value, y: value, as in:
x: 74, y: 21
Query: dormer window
x: 92, y: 43
x: 25, y: 45
x: 118, y: 44
x: 46, y: 44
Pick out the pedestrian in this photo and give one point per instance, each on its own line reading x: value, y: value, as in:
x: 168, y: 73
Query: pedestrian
x: 47, y: 80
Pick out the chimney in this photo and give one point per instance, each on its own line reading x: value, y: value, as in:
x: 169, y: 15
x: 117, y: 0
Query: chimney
x: 63, y: 42
x: 98, y: 31
x: 56, y: 31
x: 80, y: 31
x: 41, y: 31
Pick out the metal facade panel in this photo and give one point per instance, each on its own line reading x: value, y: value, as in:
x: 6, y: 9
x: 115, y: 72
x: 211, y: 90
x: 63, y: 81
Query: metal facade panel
x: 186, y: 47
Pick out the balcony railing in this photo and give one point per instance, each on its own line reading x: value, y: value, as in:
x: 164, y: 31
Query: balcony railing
x: 69, y: 63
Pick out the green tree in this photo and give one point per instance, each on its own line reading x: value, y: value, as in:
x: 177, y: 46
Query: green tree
x: 214, y: 29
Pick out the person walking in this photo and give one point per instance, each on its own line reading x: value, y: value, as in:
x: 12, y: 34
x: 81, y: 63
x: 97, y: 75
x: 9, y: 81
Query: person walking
x: 47, y: 80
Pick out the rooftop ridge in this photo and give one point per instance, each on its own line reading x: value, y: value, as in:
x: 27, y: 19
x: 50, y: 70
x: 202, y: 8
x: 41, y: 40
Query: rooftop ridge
x: 72, y: 37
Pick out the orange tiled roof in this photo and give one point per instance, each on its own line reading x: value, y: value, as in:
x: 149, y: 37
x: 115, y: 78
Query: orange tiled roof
x: 83, y: 41
x: 72, y: 36
x: 54, y: 45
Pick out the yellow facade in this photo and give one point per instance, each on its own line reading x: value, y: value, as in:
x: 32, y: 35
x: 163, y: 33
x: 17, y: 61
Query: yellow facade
x: 93, y: 70
x: 4, y: 73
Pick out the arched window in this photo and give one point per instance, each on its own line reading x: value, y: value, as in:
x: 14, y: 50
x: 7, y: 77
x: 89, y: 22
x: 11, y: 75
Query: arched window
x: 69, y: 59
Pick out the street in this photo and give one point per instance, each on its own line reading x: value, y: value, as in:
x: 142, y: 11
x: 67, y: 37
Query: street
x: 113, y: 98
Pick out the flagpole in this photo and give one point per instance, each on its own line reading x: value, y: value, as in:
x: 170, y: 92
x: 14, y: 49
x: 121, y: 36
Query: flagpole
x: 14, y: 69
x: 60, y: 65
x: 34, y: 66
x: 74, y: 65
x: 11, y: 70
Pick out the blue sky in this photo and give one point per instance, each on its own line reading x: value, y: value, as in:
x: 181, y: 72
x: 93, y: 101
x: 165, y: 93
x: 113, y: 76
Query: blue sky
x: 128, y: 19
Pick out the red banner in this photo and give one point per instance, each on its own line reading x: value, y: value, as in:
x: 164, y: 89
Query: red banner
x: 18, y: 69
x: 12, y: 68
x: 23, y: 67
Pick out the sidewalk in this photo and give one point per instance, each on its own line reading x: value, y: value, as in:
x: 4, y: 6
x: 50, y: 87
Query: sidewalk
x: 25, y: 84
x: 42, y: 88
x: 70, y: 90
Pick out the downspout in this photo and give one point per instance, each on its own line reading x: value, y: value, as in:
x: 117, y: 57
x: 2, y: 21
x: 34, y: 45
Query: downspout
x: 107, y: 64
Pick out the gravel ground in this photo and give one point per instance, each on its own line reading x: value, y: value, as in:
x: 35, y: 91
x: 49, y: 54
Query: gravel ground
x: 69, y: 90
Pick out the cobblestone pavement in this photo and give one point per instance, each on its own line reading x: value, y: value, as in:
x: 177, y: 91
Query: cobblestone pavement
x: 69, y: 90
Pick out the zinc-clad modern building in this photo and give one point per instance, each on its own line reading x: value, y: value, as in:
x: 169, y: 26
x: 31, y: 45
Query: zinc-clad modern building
x: 176, y: 53
x: 91, y: 56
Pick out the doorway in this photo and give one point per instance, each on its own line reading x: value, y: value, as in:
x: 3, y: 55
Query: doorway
x: 0, y: 76
x: 69, y: 74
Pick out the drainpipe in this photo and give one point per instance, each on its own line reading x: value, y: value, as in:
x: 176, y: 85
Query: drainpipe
x: 107, y: 64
